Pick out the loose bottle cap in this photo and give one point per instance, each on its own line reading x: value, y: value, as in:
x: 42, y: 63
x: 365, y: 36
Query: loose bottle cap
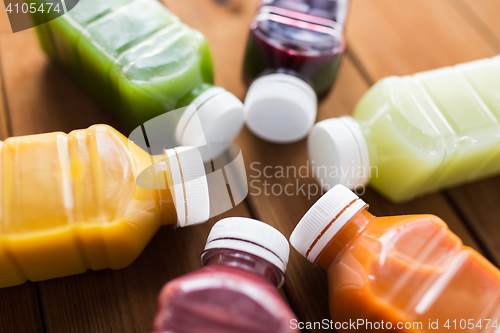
x: 324, y: 220
x: 280, y: 108
x: 189, y: 186
x: 220, y: 114
x: 250, y: 236
x: 338, y: 153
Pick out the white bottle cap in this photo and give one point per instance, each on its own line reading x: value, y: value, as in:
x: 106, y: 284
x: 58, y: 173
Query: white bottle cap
x: 338, y: 153
x: 250, y: 236
x: 280, y: 108
x: 221, y: 116
x: 324, y: 220
x: 189, y: 185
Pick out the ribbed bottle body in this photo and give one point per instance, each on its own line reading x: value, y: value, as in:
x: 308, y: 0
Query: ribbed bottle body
x: 70, y: 203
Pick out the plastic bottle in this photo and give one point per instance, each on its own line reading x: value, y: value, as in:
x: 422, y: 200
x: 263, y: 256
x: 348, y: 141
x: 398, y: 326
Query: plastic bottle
x: 408, y: 270
x: 415, y: 134
x: 140, y: 61
x: 71, y: 202
x: 235, y: 292
x: 293, y: 51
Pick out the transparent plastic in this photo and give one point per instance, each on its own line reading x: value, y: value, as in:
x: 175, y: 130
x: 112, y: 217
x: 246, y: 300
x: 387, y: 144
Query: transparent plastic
x: 302, y: 37
x: 71, y: 203
x: 409, y: 269
x: 235, y: 292
x: 432, y: 130
x: 134, y: 56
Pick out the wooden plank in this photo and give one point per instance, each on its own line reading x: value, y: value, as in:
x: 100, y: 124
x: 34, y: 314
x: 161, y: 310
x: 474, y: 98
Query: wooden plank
x: 392, y: 37
x: 5, y: 126
x: 20, y: 310
x: 5, y: 129
x: 478, y: 203
x: 483, y: 15
x: 41, y: 96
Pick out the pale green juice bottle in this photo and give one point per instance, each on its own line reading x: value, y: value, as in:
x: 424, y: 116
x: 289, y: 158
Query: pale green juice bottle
x: 416, y: 134
x: 139, y: 60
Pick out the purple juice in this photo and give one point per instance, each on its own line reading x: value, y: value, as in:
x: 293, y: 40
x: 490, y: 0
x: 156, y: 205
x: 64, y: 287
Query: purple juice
x: 236, y: 290
x: 301, y: 38
x: 293, y: 53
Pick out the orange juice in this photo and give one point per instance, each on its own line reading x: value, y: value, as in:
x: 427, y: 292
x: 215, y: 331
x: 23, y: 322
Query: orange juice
x: 70, y: 202
x: 401, y: 273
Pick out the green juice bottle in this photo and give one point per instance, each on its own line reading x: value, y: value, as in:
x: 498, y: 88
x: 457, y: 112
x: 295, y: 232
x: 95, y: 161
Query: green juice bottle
x: 139, y: 60
x: 416, y: 134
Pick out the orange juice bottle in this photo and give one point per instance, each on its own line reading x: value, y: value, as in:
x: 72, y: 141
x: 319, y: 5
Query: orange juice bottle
x: 70, y: 201
x: 401, y: 273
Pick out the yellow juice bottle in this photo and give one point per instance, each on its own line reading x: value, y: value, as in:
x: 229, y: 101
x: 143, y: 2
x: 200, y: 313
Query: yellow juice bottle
x: 70, y: 202
x: 415, y: 134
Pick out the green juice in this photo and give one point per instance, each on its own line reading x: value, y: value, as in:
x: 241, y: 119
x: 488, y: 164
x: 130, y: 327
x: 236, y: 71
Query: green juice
x: 134, y: 56
x: 417, y: 134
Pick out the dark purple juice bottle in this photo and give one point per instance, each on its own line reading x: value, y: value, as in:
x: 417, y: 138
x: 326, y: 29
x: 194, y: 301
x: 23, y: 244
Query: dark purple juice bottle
x: 235, y: 292
x: 293, y: 54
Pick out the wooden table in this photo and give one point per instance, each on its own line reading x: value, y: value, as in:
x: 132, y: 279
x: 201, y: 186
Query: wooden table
x: 385, y: 37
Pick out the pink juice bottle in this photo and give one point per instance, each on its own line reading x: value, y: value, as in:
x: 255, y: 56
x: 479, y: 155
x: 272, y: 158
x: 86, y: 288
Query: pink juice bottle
x: 236, y: 291
x: 293, y: 54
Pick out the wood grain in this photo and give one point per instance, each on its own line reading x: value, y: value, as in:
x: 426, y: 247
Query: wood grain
x: 5, y: 125
x: 392, y: 37
x: 385, y: 37
x: 20, y: 310
x: 41, y: 96
x: 483, y: 15
x: 225, y: 26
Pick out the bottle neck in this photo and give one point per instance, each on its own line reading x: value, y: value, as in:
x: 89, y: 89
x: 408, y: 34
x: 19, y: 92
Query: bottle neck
x: 168, y: 214
x: 193, y: 94
x: 151, y: 177
x: 343, y: 240
x: 320, y: 12
x: 246, y: 262
x: 368, y: 157
x: 286, y: 71
x: 183, y: 186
